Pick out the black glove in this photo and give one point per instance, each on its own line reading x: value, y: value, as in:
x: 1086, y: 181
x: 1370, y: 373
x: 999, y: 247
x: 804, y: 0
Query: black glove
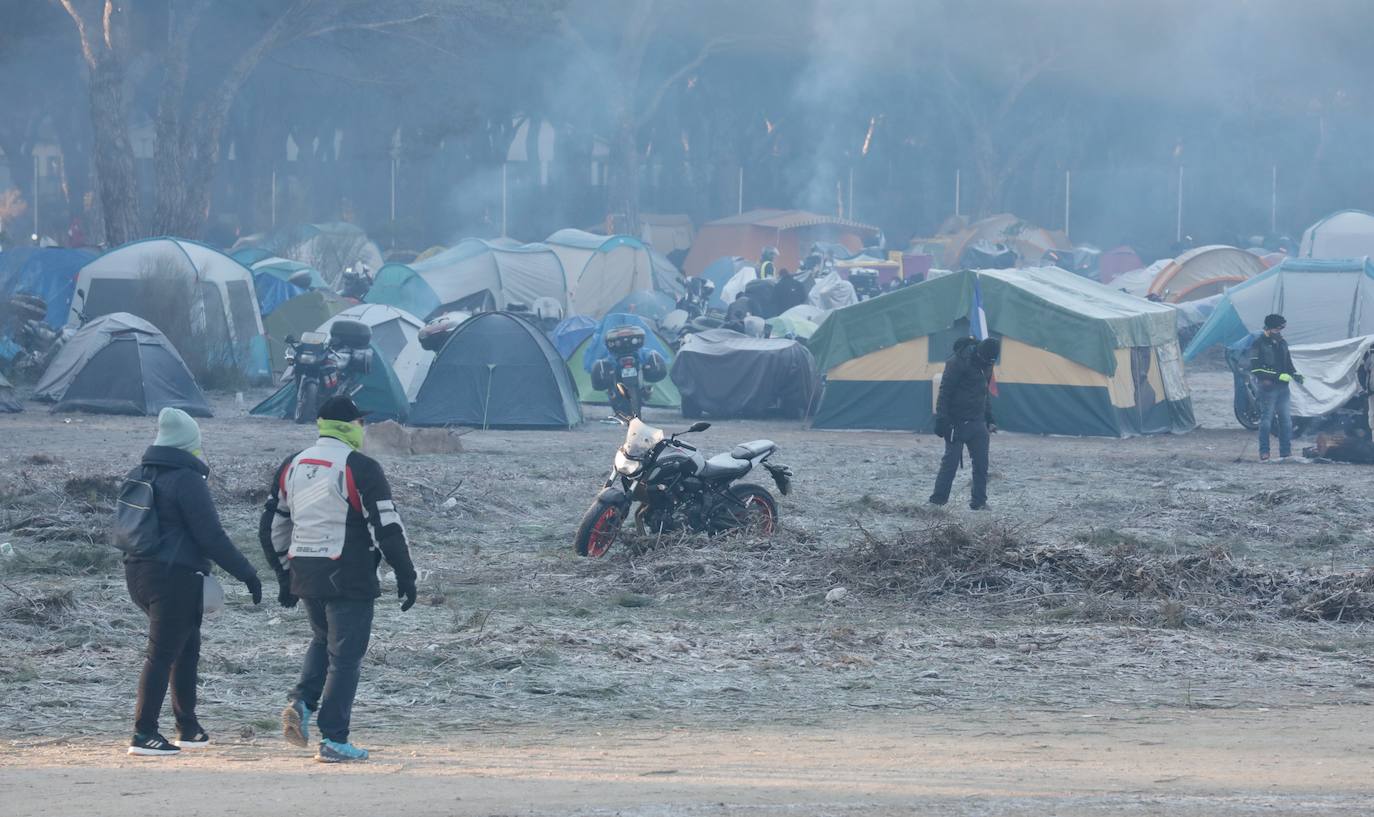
x: 284, y: 596
x: 942, y: 427
x: 406, y: 590
x: 255, y: 589
x: 1298, y: 378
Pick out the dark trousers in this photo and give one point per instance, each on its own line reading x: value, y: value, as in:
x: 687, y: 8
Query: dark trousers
x: 329, y: 679
x: 171, y: 598
x: 974, y: 436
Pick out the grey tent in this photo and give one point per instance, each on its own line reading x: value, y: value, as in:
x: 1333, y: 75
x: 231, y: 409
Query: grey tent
x: 728, y: 374
x: 497, y: 370
x: 120, y: 364
x: 9, y: 403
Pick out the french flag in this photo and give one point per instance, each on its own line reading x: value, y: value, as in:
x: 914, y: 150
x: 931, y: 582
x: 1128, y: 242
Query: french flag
x: 978, y: 325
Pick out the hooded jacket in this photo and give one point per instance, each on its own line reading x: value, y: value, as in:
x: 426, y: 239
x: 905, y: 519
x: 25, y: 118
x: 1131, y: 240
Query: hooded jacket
x: 1271, y: 359
x: 964, y: 389
x: 328, y: 523
x: 189, y: 531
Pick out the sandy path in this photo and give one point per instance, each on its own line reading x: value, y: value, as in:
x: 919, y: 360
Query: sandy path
x: 1295, y: 761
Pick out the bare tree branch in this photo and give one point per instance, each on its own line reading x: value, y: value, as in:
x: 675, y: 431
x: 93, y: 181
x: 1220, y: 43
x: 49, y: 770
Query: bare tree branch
x: 375, y: 25
x: 711, y: 47
x: 86, y: 50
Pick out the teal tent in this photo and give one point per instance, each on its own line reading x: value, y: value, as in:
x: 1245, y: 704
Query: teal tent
x: 380, y: 398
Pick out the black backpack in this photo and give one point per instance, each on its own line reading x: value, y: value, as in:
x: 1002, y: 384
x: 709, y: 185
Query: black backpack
x: 135, y: 528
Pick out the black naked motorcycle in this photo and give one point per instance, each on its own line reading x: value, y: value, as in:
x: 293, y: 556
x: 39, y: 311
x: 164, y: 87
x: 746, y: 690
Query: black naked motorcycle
x: 327, y: 365
x: 676, y: 488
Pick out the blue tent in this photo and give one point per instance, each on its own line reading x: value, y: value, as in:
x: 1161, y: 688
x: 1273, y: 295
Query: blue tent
x: 719, y: 272
x: 1323, y: 300
x: 597, y: 350
x: 272, y: 291
x: 402, y: 287
x: 570, y: 332
x: 649, y: 304
x: 48, y: 272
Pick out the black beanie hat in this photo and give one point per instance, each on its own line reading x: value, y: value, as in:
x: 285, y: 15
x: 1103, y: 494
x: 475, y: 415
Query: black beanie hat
x: 339, y: 408
x: 1274, y: 321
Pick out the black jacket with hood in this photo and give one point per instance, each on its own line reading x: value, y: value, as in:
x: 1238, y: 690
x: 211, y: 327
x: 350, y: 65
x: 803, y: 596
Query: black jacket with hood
x: 964, y: 389
x: 189, y: 531
x: 1271, y: 359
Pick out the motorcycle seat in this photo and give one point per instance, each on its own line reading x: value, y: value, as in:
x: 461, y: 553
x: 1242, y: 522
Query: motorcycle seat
x: 724, y: 466
x: 752, y: 449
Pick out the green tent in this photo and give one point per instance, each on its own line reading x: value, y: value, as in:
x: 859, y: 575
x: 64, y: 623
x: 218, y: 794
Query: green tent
x: 1078, y: 358
x: 303, y: 313
x: 380, y: 398
x: 664, y: 394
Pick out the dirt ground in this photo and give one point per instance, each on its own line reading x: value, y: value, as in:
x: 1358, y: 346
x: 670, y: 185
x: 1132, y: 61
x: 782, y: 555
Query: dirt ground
x: 1144, y: 626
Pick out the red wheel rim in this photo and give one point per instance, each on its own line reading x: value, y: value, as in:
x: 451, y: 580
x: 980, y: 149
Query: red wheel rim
x: 762, y: 513
x: 603, y: 532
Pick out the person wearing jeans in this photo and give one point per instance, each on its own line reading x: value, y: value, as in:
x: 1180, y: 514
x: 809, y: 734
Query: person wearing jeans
x: 1272, y: 367
x: 167, y: 582
x: 329, y: 522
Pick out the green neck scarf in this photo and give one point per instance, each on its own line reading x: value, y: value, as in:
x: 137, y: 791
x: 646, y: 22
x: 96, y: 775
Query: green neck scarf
x: 344, y: 432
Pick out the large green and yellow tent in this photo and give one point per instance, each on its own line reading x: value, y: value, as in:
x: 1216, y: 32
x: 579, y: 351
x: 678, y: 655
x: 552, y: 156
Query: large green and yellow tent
x: 1078, y: 358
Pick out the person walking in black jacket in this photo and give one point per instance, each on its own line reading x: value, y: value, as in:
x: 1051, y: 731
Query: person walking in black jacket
x: 329, y: 522
x: 167, y: 583
x: 1272, y: 367
x: 963, y: 417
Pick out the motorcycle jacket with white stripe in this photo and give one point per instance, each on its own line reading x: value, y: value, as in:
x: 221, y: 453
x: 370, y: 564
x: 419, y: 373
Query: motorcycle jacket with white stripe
x: 329, y: 522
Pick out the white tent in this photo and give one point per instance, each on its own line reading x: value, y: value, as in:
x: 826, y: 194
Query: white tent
x: 1343, y: 234
x: 1330, y: 374
x: 135, y: 278
x: 512, y: 273
x: 601, y: 270
x: 396, y: 333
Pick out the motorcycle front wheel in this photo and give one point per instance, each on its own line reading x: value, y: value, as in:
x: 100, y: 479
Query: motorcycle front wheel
x: 599, y: 528
x: 307, y: 402
x: 757, y: 511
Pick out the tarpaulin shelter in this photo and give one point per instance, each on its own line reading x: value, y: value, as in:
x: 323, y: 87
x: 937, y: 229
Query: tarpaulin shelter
x: 396, y: 334
x: 141, y: 278
x: 1331, y: 374
x: 1078, y: 358
x: 9, y: 401
x: 48, y: 272
x: 791, y: 231
x: 593, y: 348
x: 726, y: 374
x: 1322, y: 300
x: 1343, y: 234
x: 666, y: 232
x: 381, y: 396
x: 120, y: 364
x: 601, y: 269
x: 1203, y: 272
x: 499, y: 272
x: 570, y: 332
x: 497, y: 370
x: 303, y: 313
x: 272, y: 292
x: 1117, y: 261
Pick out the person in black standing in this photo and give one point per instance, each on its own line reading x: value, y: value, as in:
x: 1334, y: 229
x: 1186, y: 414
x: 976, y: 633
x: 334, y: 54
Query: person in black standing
x: 167, y: 583
x: 1272, y: 368
x: 329, y: 522
x: 963, y: 417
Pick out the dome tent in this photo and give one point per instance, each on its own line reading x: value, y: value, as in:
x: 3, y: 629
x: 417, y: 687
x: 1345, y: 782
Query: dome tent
x: 501, y: 270
x: 570, y: 332
x: 381, y: 396
x: 1203, y: 272
x: 396, y: 334
x: 187, y: 289
x: 663, y: 394
x: 1343, y: 234
x: 497, y: 370
x: 120, y: 364
x: 601, y: 270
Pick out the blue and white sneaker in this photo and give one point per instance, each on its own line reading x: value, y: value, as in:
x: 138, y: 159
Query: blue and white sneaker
x: 295, y: 724
x: 334, y: 752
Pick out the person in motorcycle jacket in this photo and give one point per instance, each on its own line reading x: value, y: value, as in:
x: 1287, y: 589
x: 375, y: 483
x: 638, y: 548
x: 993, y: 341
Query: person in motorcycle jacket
x: 1272, y: 367
x: 963, y: 417
x: 328, y: 523
x: 766, y: 268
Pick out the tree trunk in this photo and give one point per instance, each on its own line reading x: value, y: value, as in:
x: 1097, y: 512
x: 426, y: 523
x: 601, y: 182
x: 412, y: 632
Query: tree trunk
x: 622, y: 202
x: 114, y: 154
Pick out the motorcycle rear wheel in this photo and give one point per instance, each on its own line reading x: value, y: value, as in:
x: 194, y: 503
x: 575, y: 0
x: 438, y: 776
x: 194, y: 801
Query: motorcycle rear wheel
x: 308, y: 402
x: 759, y: 513
x: 599, y: 529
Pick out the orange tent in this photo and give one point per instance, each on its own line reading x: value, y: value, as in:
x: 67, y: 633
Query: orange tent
x: 791, y: 231
x: 1204, y: 271
x: 1028, y: 241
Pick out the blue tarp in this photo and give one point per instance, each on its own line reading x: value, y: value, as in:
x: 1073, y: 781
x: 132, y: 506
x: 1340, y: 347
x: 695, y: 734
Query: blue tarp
x: 570, y: 332
x: 597, y: 350
x: 49, y: 273
x: 272, y: 291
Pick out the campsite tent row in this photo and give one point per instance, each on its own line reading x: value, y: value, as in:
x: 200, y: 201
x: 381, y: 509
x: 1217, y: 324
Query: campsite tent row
x: 1078, y: 358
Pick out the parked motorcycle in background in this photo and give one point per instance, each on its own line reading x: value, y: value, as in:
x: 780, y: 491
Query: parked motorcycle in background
x: 25, y: 323
x: 628, y: 375
x: 676, y: 489
x: 327, y: 365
